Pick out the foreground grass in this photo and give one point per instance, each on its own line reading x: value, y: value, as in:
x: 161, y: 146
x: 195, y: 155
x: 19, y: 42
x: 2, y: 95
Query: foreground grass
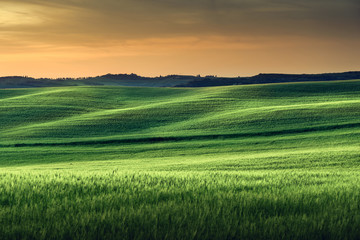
x: 186, y: 205
x: 278, y: 161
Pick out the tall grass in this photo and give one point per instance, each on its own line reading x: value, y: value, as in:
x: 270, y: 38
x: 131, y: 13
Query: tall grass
x: 157, y: 205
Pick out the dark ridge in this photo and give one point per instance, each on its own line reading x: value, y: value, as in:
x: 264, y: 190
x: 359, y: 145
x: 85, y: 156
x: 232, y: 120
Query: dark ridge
x: 123, y: 76
x: 188, y: 138
x: 271, y: 78
x: 169, y: 80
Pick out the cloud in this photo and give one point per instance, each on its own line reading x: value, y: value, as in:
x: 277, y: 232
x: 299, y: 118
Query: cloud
x: 87, y: 29
x: 91, y: 20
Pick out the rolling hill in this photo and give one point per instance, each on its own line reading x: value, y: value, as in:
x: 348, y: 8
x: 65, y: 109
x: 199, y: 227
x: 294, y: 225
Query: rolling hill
x: 260, y: 161
x: 82, y: 116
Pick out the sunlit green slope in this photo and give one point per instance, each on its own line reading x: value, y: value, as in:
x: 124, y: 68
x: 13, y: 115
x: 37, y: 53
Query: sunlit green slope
x: 157, y: 122
x: 66, y: 114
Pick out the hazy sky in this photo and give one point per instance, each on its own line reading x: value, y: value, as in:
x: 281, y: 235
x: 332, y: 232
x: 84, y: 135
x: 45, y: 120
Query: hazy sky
x: 60, y: 38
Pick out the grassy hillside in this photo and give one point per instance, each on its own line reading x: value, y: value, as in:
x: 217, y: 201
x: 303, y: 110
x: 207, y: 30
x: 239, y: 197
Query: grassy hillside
x: 84, y: 113
x: 276, y: 161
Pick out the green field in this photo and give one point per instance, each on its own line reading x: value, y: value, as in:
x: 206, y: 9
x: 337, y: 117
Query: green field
x: 275, y: 161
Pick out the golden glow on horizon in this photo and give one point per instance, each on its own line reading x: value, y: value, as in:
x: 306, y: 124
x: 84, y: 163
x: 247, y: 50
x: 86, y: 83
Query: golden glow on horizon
x: 73, y: 38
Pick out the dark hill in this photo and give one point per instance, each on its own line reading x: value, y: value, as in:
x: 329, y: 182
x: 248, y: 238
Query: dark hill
x: 271, y: 78
x: 170, y: 80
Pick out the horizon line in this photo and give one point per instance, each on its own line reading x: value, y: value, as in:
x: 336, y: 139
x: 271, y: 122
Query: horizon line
x: 185, y: 75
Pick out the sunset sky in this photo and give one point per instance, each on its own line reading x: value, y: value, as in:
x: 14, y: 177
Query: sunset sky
x: 73, y: 38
